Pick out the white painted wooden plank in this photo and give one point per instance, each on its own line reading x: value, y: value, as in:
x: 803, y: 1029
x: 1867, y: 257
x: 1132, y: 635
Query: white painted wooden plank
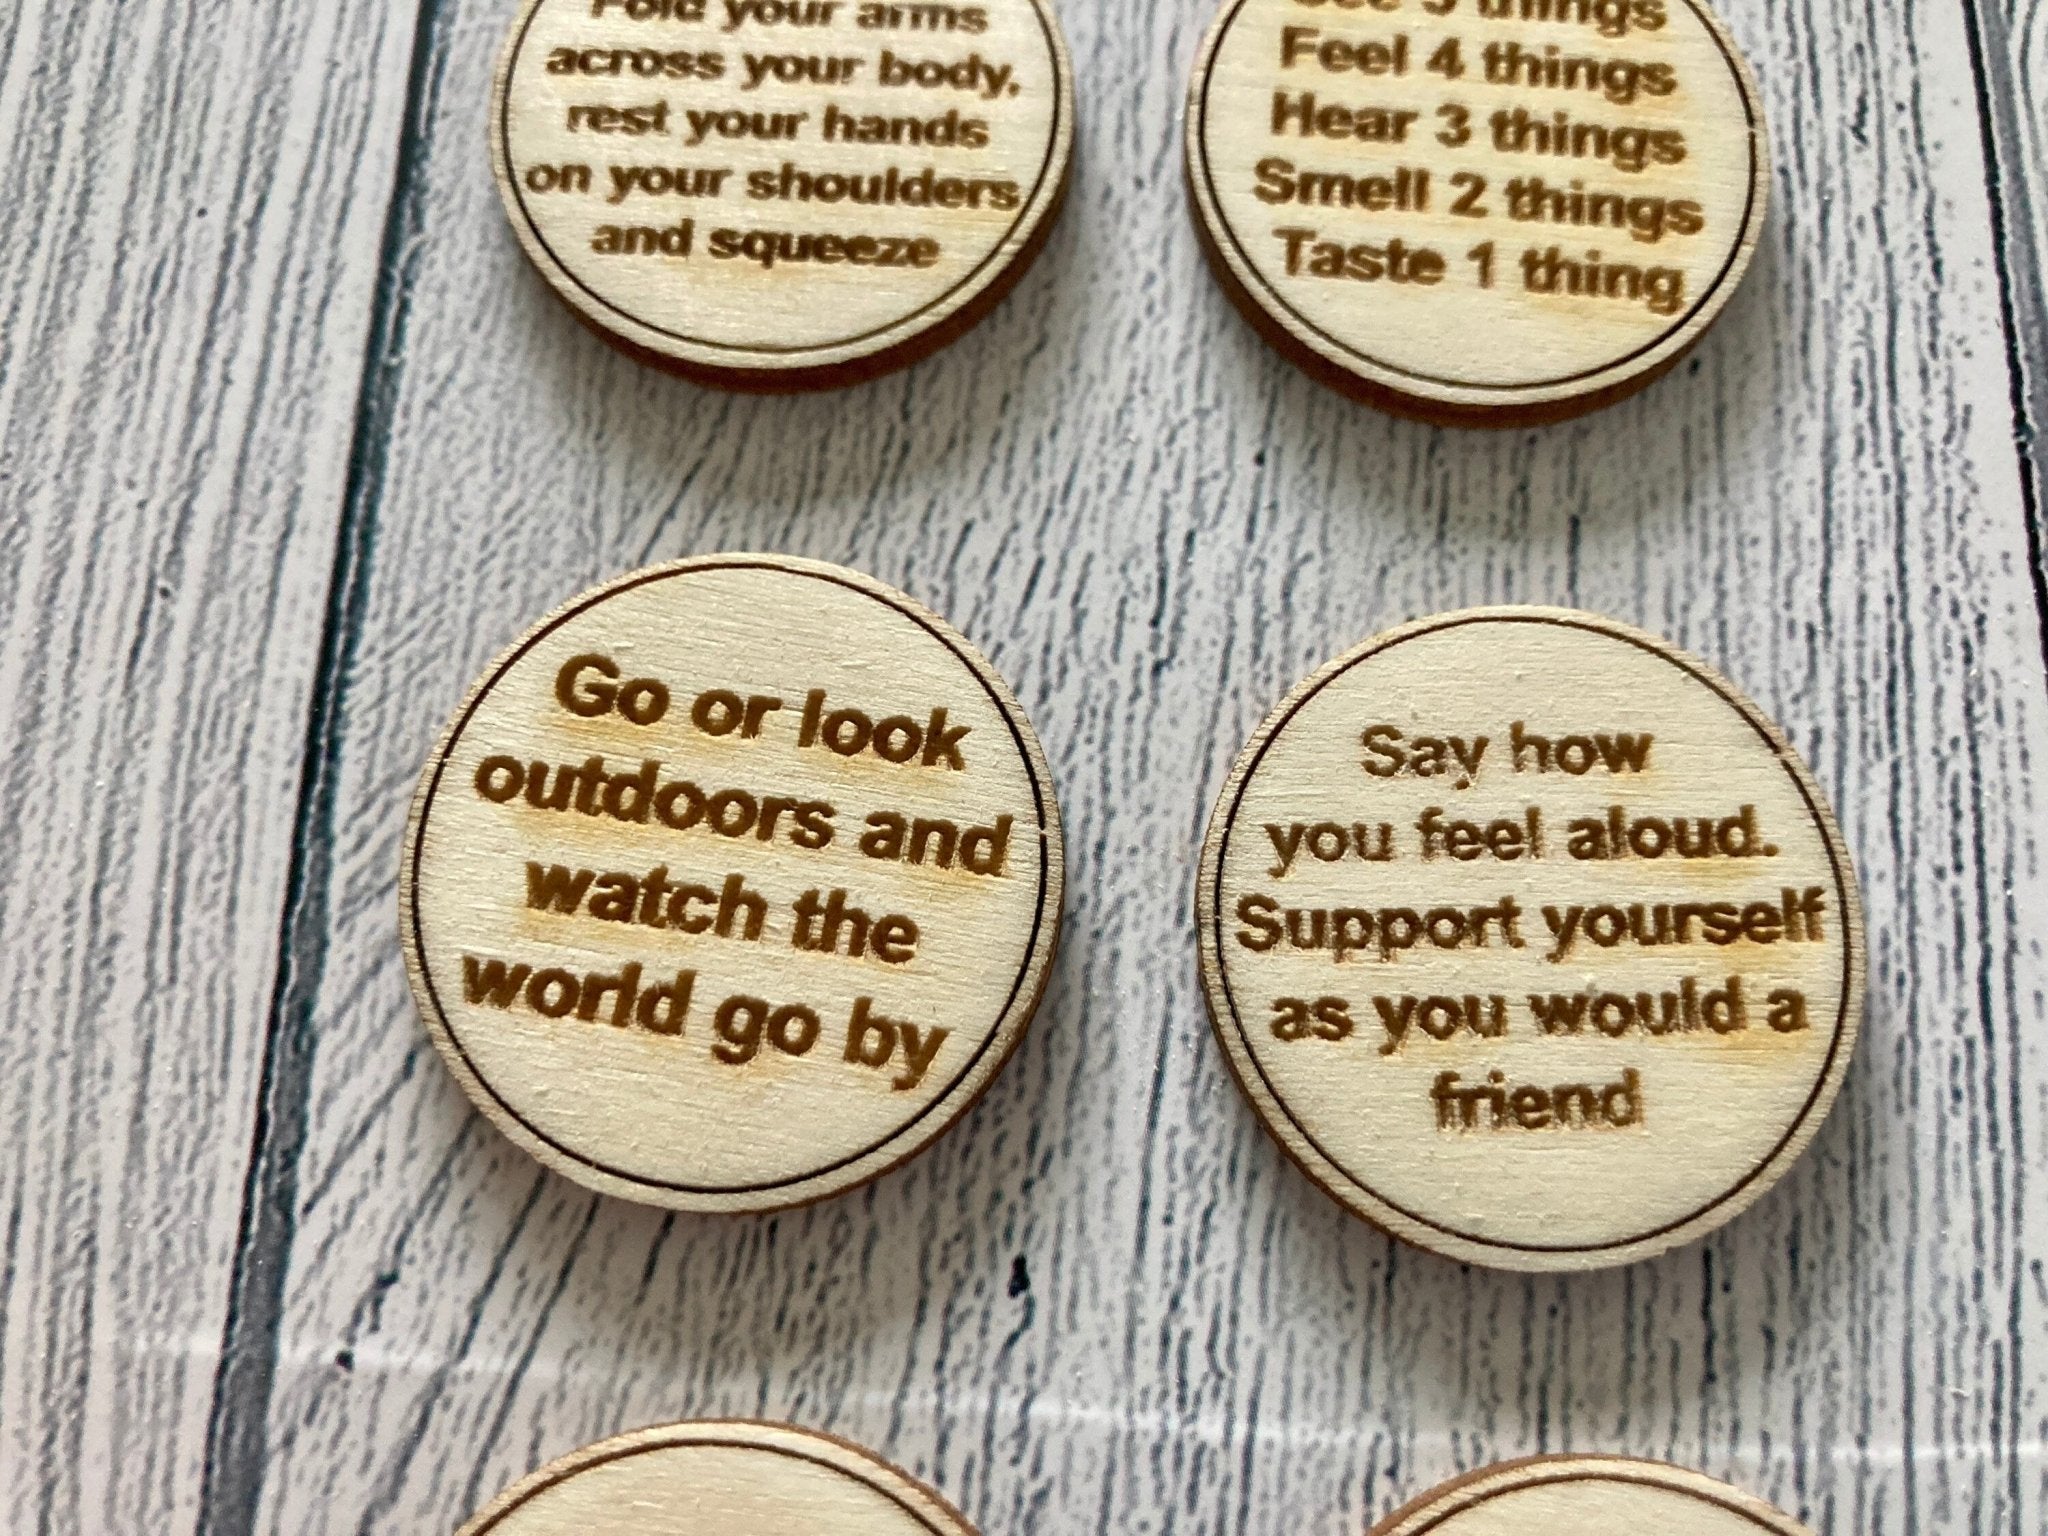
x: 1104, y: 1302
x: 2024, y: 154
x: 2012, y: 66
x: 2019, y: 71
x: 194, y: 202
x: 2027, y: 46
x: 2011, y: 47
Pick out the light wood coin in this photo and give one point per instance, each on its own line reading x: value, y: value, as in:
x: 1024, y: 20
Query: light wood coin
x: 1531, y: 939
x: 720, y: 1478
x: 1489, y: 212
x: 782, y: 194
x: 732, y: 884
x: 1588, y: 1496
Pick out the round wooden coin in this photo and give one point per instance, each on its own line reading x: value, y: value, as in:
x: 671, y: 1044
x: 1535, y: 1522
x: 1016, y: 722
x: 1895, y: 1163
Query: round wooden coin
x: 719, y: 1478
x: 732, y: 884
x: 1588, y: 1496
x: 782, y: 194
x: 1489, y: 212
x: 1531, y: 939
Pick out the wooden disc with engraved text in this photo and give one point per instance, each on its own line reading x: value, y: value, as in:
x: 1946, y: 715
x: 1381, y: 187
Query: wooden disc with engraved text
x: 1531, y: 939
x: 1486, y: 212
x: 732, y: 884
x: 782, y: 194
x: 719, y: 1478
x: 1588, y: 1496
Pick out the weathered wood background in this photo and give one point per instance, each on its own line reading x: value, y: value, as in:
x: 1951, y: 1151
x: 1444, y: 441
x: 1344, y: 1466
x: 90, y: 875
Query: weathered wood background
x: 291, y: 442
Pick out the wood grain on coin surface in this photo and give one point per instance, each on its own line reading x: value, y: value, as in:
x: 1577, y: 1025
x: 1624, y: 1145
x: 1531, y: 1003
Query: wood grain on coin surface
x: 1531, y: 939
x: 1588, y: 1496
x: 782, y: 194
x: 732, y: 884
x: 1491, y: 211
x: 720, y: 1479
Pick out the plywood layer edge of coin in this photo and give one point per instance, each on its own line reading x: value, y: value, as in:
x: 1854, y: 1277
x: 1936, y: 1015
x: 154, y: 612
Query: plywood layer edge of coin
x: 719, y: 1478
x: 1369, y: 201
x: 1589, y: 1495
x: 1530, y: 939
x: 775, y: 195
x: 733, y: 884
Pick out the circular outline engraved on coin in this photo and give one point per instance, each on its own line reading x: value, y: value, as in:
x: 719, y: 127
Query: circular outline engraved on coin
x: 912, y: 1135
x: 1351, y: 1190
x: 768, y: 368
x: 1446, y: 1501
x: 918, y: 1501
x: 1344, y: 367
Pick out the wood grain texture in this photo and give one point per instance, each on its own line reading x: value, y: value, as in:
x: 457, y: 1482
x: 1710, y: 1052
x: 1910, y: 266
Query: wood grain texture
x: 719, y: 1477
x: 1596, y: 1495
x: 1105, y: 1303
x: 1154, y: 526
x: 195, y: 194
x: 774, y: 196
x: 1530, y: 939
x: 2010, y: 54
x: 2013, y: 44
x: 1477, y: 219
x: 732, y: 885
